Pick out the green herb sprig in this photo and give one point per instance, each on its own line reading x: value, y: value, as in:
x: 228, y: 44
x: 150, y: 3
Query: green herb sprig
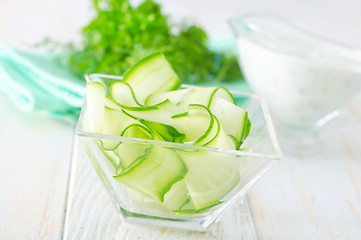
x: 120, y: 35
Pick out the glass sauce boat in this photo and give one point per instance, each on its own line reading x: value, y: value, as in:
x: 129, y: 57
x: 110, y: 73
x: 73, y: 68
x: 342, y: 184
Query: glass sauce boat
x: 304, y: 78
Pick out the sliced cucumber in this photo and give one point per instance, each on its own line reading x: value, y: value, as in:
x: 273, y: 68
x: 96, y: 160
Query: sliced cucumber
x: 180, y: 121
x: 153, y: 74
x: 123, y: 94
x: 113, y: 124
x: 147, y: 104
x: 128, y: 152
x: 197, y: 95
x: 211, y: 176
x: 221, y: 92
x: 158, y: 120
x: 233, y: 119
x: 197, y: 124
x: 189, y: 208
x: 204, y: 96
x: 109, y: 103
x: 166, y: 132
x: 200, y: 124
x: 94, y: 111
x: 220, y: 139
x: 111, y: 156
x: 177, y: 197
x: 155, y: 173
x: 173, y: 96
x: 160, y: 113
x: 136, y: 130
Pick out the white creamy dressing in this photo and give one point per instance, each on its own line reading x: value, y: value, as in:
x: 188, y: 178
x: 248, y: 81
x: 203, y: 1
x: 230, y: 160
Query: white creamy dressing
x: 302, y: 80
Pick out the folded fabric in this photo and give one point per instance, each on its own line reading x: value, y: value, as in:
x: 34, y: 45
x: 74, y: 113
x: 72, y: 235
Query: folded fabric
x: 35, y: 82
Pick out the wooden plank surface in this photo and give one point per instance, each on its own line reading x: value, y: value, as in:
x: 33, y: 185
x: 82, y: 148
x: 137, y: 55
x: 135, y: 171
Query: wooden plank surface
x: 91, y: 215
x: 34, y: 169
x: 317, y: 196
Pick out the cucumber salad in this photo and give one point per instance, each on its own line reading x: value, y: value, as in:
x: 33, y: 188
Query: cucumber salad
x: 149, y: 103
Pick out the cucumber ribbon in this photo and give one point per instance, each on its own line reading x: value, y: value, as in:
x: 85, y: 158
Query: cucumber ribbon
x: 148, y: 104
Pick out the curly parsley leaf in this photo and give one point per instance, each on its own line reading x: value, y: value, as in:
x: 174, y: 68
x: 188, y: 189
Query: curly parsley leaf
x: 120, y: 35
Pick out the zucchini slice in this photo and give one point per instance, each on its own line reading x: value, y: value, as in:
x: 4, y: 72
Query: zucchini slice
x: 153, y: 74
x: 233, y: 119
x: 154, y: 173
x: 94, y: 111
x: 122, y: 93
x: 211, y: 176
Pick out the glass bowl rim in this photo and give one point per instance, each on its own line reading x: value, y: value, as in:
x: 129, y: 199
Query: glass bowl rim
x: 276, y: 155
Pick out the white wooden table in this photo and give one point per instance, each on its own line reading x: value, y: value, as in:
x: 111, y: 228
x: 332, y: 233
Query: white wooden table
x: 45, y: 193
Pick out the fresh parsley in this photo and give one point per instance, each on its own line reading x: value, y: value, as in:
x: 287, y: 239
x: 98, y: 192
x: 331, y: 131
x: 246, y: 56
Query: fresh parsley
x: 120, y: 35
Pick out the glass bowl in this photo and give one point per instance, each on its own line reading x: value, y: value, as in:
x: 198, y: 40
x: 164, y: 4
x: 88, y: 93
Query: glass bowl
x: 213, y: 181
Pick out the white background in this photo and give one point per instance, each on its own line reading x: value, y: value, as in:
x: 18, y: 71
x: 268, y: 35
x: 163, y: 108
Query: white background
x: 29, y: 21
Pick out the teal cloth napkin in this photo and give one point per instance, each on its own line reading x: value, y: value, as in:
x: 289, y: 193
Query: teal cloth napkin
x: 35, y: 82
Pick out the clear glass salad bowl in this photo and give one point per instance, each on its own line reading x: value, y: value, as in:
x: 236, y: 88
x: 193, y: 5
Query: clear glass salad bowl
x: 228, y: 174
x: 304, y: 78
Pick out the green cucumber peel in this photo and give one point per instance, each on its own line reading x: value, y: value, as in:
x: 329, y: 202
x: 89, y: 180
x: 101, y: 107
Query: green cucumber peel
x: 174, y: 96
x: 113, y: 162
x: 214, y: 94
x: 140, y: 63
x: 109, y: 103
x: 133, y: 126
x: 194, y: 211
x: 106, y: 147
x: 151, y: 75
x: 129, y: 152
x: 180, y: 115
x: 234, y: 120
x: 155, y: 173
x: 217, y: 131
x: 210, y: 127
x: 168, y: 133
x: 246, y: 129
x: 135, y: 162
x: 145, y: 108
x: 112, y: 93
x: 165, y: 131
